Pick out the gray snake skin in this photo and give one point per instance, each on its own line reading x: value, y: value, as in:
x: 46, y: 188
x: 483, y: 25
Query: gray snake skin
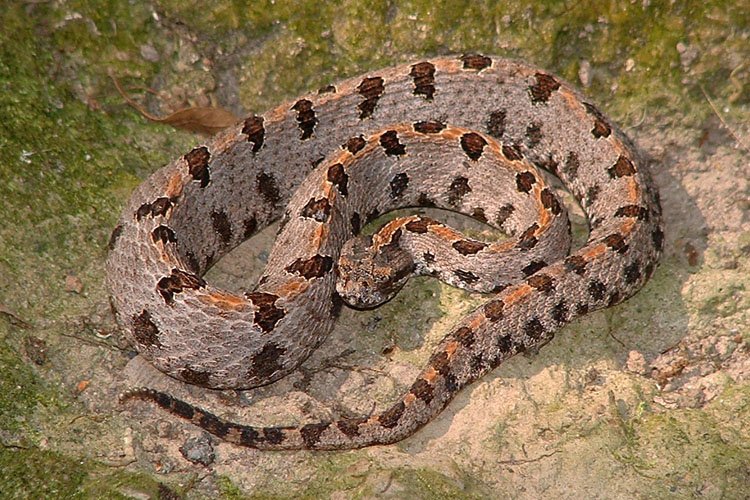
x: 457, y: 132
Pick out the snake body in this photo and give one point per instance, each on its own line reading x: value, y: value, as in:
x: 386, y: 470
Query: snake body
x: 331, y: 161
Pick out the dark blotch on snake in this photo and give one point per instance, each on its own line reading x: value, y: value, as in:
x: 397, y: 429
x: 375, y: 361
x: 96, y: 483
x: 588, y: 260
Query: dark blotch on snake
x: 273, y: 435
x: 314, y: 267
x: 542, y: 282
x: 458, y: 189
x: 478, y: 214
x: 468, y: 247
x: 267, y: 187
x: 440, y: 362
x: 267, y: 314
x: 503, y: 213
x: 560, y: 312
x: 465, y: 336
x: 512, y: 152
x: 466, y: 276
x: 572, y: 164
x: 425, y: 201
x: 355, y: 144
x: 195, y: 377
x: 528, y: 240
x: 533, y: 135
x: 389, y: 142
x: 423, y: 74
x: 350, y: 426
x: 249, y: 226
x: 337, y: 176
x: 632, y: 272
x: 371, y: 89
x: 576, y: 263
x: 266, y: 361
x: 222, y: 226
x: 623, y: 167
x: 398, y: 184
x: 473, y: 145
x: 616, y: 242
x: 249, y: 437
x: 253, y: 129
x: 391, y: 416
x: 116, y: 233
x: 592, y: 194
x: 533, y: 267
x: 601, y: 127
x: 197, y: 161
x: 534, y: 329
x: 496, y: 123
x: 311, y: 433
x: 163, y: 233
x: 144, y: 330
x: 640, y: 213
x: 160, y: 206
x: 542, y: 90
x: 597, y: 289
x: 476, y: 62
x: 306, y: 119
x: 420, y: 225
x: 177, y: 282
x: 549, y: 201
x: 318, y: 210
x: 428, y: 127
x: 525, y: 181
x: 422, y: 390
x: 356, y: 222
x: 493, y: 309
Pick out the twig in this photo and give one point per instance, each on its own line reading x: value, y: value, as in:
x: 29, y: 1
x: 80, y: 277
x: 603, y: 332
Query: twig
x: 723, y: 122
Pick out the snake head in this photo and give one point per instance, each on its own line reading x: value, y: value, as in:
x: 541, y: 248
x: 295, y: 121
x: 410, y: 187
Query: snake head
x: 370, y: 275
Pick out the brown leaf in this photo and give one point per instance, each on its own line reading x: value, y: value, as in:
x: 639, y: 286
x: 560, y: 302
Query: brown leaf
x: 200, y: 119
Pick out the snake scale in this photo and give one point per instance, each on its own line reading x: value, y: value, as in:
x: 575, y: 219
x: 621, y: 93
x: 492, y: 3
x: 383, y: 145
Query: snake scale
x: 461, y: 133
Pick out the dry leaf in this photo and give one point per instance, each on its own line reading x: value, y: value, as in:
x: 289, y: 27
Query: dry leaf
x: 200, y: 119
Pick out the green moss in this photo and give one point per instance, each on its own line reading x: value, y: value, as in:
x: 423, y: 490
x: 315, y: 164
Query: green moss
x: 688, y: 449
x: 355, y: 477
x: 35, y: 474
x: 426, y: 483
x: 67, y: 167
x: 22, y: 395
x: 723, y: 298
x: 228, y: 489
x: 45, y: 474
x: 222, y: 18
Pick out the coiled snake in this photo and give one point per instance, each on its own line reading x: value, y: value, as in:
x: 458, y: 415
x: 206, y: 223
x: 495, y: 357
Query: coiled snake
x: 461, y: 133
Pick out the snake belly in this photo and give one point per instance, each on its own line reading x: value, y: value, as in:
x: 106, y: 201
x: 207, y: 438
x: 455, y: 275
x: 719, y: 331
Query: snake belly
x: 187, y: 215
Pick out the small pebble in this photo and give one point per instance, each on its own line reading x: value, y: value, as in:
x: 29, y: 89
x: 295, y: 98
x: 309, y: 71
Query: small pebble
x: 199, y: 450
x: 149, y: 53
x: 73, y: 284
x: 584, y: 73
x: 636, y: 363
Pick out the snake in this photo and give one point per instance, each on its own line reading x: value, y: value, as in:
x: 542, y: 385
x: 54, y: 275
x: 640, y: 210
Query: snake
x: 464, y: 133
